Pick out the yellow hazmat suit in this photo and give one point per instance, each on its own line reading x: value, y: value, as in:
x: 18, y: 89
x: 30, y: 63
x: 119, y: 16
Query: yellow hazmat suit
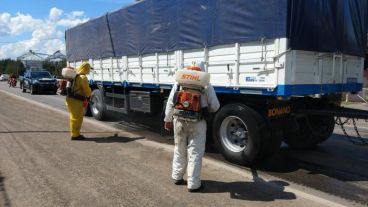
x: 75, y: 106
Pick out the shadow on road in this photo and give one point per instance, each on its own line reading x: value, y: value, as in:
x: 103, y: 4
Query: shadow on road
x: 139, y: 121
x: 275, y: 190
x: 4, y: 199
x: 278, y: 163
x: 318, y: 160
x: 337, y: 158
x: 112, y: 139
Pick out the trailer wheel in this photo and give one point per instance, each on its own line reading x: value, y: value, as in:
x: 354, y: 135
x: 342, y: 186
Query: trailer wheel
x: 270, y: 138
x: 271, y: 142
x: 97, y: 105
x: 313, y: 130
x: 237, y: 134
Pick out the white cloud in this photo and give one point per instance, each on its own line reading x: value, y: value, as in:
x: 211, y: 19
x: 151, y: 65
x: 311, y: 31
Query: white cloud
x: 4, y: 28
x: 71, y: 22
x: 77, y: 13
x: 19, y: 48
x: 18, y: 24
x: 55, y: 13
x: 46, y: 35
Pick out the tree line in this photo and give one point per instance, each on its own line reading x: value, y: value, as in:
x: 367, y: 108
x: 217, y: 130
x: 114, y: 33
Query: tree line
x: 9, y: 66
x: 54, y: 67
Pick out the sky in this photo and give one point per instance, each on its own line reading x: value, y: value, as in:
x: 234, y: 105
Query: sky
x: 39, y: 25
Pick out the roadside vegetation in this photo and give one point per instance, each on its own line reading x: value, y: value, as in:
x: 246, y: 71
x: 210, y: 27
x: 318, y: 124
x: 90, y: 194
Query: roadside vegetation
x: 9, y: 66
x: 54, y: 67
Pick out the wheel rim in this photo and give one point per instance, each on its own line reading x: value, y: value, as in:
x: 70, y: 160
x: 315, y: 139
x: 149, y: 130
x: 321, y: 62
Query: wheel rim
x: 95, y: 103
x: 234, y: 134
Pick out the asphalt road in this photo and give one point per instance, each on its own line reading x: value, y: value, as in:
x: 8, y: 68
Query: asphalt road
x: 39, y: 166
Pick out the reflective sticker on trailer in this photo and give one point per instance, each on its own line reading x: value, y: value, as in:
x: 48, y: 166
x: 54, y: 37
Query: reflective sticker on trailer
x: 279, y: 111
x: 250, y: 79
x: 255, y: 79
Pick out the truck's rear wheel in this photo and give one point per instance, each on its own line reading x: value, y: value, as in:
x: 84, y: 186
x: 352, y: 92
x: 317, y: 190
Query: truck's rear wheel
x: 97, y: 105
x: 237, y: 133
x: 313, y: 130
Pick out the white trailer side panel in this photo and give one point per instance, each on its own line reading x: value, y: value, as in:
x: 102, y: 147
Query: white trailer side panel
x: 260, y: 65
x: 233, y: 65
x: 323, y: 68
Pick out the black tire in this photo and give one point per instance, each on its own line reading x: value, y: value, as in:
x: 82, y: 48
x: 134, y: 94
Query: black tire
x: 312, y: 131
x: 271, y: 139
x: 237, y: 148
x: 97, y: 105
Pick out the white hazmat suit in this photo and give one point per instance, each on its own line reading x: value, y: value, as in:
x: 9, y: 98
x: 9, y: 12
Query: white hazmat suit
x: 190, y: 139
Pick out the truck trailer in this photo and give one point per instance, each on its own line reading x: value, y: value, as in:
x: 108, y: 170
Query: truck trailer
x: 278, y: 67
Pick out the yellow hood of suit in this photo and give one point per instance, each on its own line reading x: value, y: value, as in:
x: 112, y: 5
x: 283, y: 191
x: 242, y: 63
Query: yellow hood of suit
x: 84, y: 69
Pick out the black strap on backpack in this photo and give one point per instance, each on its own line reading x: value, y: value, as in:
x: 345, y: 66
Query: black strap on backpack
x: 175, y: 99
x: 70, y: 91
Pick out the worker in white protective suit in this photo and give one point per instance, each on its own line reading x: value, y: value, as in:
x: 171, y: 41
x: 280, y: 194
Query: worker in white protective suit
x: 189, y: 136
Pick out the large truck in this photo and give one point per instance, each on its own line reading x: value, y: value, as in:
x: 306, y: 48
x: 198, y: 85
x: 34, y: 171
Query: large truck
x: 278, y: 67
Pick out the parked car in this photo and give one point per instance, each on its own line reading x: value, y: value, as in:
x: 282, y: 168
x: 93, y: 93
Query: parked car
x: 4, y: 77
x: 39, y: 81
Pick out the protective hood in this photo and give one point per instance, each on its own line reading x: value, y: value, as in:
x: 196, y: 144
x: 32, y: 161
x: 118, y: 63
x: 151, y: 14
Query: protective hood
x: 84, y: 69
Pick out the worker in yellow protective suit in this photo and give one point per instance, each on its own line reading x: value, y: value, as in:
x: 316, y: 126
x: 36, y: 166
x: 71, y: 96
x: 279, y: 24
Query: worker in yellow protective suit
x: 76, y: 100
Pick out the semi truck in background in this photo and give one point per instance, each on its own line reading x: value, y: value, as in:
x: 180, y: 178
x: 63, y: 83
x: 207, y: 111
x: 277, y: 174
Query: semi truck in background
x: 278, y: 67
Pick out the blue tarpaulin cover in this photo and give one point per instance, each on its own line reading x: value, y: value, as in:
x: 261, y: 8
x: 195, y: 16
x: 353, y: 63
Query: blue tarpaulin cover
x: 89, y: 40
x: 329, y: 26
x: 161, y: 26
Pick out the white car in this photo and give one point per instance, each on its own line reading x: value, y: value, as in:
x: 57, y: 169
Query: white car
x: 4, y: 77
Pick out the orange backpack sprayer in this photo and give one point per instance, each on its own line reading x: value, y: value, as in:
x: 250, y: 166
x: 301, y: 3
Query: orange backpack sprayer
x: 187, y: 100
